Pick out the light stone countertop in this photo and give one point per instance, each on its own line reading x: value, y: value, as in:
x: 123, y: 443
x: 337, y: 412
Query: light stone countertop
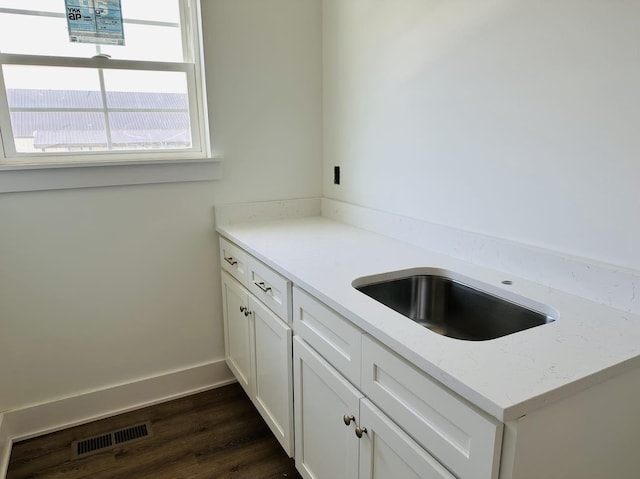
x: 506, y: 377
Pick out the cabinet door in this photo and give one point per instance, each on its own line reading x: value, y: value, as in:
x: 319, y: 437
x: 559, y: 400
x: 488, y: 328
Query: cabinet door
x: 273, y: 369
x: 324, y: 447
x: 386, y: 451
x: 238, y: 332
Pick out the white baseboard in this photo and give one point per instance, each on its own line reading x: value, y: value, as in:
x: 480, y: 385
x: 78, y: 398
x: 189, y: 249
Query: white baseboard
x: 53, y: 416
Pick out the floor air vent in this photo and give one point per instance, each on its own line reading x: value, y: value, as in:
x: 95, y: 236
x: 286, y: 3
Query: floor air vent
x: 87, y: 446
x: 96, y: 444
x: 131, y: 433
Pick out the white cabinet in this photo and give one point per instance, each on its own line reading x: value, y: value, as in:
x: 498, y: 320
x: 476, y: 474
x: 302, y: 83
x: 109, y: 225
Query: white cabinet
x: 273, y: 386
x: 270, y: 288
x: 342, y: 435
x: 409, y: 425
x: 234, y: 260
x: 386, y: 451
x: 258, y: 348
x: 326, y: 448
x: 415, y: 425
x: 335, y: 338
x: 327, y: 369
x: 238, y: 332
x: 462, y: 437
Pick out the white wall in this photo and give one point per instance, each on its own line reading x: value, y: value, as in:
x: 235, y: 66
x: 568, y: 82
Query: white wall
x: 103, y: 286
x: 513, y: 119
x: 264, y: 81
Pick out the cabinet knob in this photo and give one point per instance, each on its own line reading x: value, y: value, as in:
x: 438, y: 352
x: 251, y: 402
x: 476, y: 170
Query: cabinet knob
x: 360, y: 431
x: 348, y: 419
x: 243, y: 309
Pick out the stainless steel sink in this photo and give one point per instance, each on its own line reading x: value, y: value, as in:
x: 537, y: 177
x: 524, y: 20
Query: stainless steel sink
x: 454, y: 309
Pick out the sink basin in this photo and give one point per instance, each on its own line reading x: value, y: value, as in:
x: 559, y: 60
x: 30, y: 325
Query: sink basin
x: 454, y: 308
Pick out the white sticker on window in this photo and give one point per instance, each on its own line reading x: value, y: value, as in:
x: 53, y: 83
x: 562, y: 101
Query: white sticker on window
x: 95, y: 21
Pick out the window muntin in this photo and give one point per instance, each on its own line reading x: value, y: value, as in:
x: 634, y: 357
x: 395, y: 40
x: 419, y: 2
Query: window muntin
x: 64, y: 101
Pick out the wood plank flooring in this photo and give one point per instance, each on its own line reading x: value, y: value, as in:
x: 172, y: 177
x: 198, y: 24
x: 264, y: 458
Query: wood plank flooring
x: 215, y: 434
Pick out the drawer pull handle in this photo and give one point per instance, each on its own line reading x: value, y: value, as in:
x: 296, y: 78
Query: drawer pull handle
x: 262, y: 286
x: 360, y: 431
x: 230, y: 260
x: 348, y: 419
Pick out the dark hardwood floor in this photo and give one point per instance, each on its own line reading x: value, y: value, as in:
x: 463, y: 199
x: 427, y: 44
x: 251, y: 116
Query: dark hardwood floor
x: 215, y: 434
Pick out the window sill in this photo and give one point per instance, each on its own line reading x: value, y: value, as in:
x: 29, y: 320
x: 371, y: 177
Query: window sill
x: 66, y: 176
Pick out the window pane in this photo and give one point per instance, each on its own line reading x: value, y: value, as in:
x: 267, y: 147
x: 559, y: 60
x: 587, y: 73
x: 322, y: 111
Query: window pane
x: 150, y: 130
x: 58, y: 131
x: 19, y: 98
x: 148, y: 43
x: 162, y: 10
x: 146, y: 81
x: 136, y: 90
x: 35, y: 5
x: 33, y: 35
x: 50, y: 78
x: 42, y: 89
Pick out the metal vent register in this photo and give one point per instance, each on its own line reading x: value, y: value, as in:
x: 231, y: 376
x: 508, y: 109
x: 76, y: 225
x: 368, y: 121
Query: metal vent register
x: 95, y: 444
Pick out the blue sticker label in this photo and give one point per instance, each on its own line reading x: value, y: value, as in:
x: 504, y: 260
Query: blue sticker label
x: 95, y: 21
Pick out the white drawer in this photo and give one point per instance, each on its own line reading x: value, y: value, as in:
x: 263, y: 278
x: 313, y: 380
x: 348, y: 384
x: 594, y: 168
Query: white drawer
x: 465, y: 439
x: 233, y: 260
x: 334, y: 337
x: 270, y: 288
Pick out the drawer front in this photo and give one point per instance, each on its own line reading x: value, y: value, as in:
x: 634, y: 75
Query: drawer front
x: 233, y: 260
x: 463, y: 438
x: 270, y: 288
x: 331, y: 335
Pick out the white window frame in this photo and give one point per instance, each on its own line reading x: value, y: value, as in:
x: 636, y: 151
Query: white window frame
x: 55, y: 170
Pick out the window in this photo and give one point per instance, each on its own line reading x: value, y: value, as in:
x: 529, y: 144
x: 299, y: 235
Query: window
x: 79, y: 103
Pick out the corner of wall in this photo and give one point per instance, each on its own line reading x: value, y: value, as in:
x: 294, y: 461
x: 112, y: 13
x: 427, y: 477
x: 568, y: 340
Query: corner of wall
x: 5, y: 446
x: 266, y: 210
